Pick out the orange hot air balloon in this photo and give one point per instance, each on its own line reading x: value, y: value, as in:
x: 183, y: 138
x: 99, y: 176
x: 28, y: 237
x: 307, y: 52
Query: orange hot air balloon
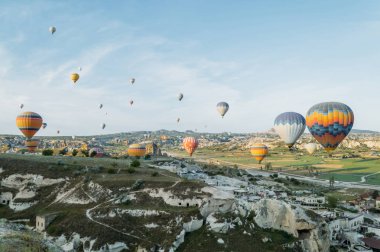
x: 259, y: 152
x: 190, y: 144
x: 31, y: 145
x: 136, y: 150
x: 74, y: 77
x: 29, y: 123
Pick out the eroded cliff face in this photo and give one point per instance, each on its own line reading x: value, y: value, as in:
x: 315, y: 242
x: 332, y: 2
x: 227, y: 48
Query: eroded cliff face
x: 311, y: 230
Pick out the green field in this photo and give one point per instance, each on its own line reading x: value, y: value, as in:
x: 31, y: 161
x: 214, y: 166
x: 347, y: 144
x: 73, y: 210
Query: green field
x: 300, y: 163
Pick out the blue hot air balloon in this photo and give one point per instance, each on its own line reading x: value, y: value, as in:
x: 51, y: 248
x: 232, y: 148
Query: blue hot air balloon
x: 289, y: 126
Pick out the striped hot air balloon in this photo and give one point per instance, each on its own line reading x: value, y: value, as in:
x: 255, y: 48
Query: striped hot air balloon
x: 259, y: 151
x: 190, y: 144
x: 330, y: 123
x: 31, y: 144
x: 136, y: 150
x: 289, y: 126
x: 29, y: 123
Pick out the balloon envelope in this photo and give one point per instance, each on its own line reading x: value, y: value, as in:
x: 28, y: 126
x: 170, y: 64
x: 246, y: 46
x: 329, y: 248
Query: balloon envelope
x: 136, y: 150
x: 330, y: 123
x: 259, y: 152
x: 222, y: 108
x: 74, y: 77
x: 190, y: 144
x: 29, y: 123
x: 311, y: 148
x: 52, y: 29
x: 289, y: 126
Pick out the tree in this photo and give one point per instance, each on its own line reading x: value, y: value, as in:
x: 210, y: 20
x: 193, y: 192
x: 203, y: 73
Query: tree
x: 268, y: 166
x: 114, y: 164
x: 63, y: 151
x: 85, y: 153
x: 47, y: 152
x: 75, y: 152
x: 332, y: 181
x: 135, y: 163
x: 332, y: 202
x: 375, y: 194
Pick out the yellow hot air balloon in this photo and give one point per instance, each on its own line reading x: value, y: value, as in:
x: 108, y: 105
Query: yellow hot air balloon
x: 259, y: 152
x: 31, y: 144
x: 74, y: 77
x: 29, y: 123
x: 136, y: 150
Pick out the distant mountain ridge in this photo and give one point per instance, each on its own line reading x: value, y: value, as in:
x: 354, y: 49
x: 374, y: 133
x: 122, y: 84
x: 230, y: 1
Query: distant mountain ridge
x: 359, y: 131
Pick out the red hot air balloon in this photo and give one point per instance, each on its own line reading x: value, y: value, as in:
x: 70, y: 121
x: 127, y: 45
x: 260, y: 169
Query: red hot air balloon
x: 190, y: 144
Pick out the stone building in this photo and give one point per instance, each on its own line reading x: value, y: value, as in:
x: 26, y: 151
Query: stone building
x: 6, y: 198
x: 43, y: 221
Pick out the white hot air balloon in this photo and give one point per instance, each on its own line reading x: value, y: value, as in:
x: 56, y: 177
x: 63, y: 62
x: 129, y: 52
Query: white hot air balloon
x: 73, y: 137
x: 222, y: 108
x: 289, y: 126
x: 311, y: 148
x: 52, y: 29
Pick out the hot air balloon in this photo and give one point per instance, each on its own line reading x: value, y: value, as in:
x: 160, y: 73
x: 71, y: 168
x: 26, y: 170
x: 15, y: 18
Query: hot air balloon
x: 131, y: 102
x: 178, y: 119
x: 21, y: 106
x: 136, y: 150
x: 290, y: 126
x: 58, y: 131
x: 31, y: 144
x: 74, y: 77
x: 103, y: 125
x: 311, y: 148
x: 80, y: 68
x: 259, y: 152
x: 44, y: 125
x: 190, y: 144
x: 52, y: 29
x: 73, y: 137
x: 132, y: 80
x: 222, y: 108
x: 29, y: 123
x: 330, y: 123
x: 100, y: 106
x: 180, y: 96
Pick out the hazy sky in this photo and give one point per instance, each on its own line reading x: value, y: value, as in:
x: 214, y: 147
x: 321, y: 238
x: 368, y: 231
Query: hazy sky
x: 262, y: 57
